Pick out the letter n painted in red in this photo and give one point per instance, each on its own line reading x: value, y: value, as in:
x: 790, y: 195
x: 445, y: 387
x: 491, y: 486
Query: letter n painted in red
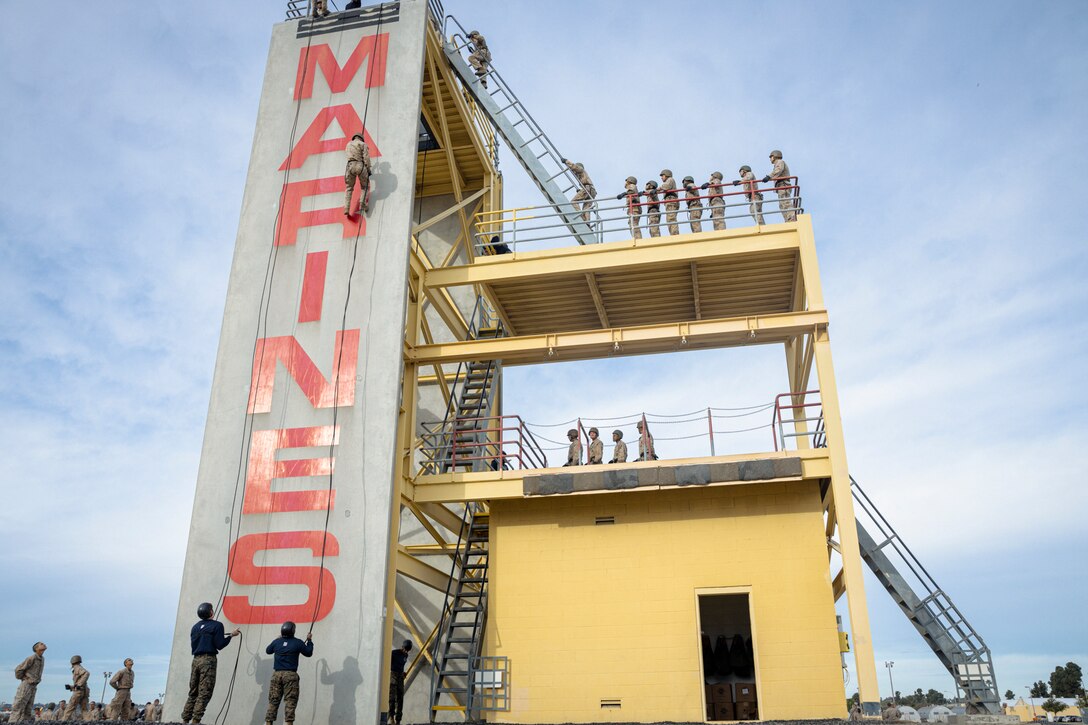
x: 336, y: 391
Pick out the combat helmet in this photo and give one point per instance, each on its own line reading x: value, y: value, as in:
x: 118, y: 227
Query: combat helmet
x: 688, y: 178
x: 572, y: 433
x: 746, y: 169
x: 665, y: 172
x: 76, y: 659
x: 776, y: 154
x: 618, y: 432
x: 651, y: 184
x: 716, y: 175
x: 631, y: 180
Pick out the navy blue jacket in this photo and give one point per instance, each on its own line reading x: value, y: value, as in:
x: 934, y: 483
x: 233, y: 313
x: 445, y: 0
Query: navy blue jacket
x: 287, y: 650
x: 398, y: 660
x: 208, y: 637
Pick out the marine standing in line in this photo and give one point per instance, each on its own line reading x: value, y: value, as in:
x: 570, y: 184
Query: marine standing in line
x: 574, y: 450
x: 619, y: 453
x: 645, y: 444
x: 121, y: 707
x: 29, y: 674
x: 80, y: 692
x: 633, y: 208
x: 480, y: 58
x: 672, y: 205
x: 358, y: 167
x: 397, y: 660
x: 716, y: 201
x: 695, y: 204
x: 783, y: 185
x: 587, y: 193
x: 653, y: 209
x: 596, y: 447
x: 752, y: 193
x: 206, y: 637
x: 284, y: 683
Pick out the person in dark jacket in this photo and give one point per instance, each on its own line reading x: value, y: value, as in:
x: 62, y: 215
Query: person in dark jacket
x: 285, y: 672
x: 397, y: 661
x: 207, y: 637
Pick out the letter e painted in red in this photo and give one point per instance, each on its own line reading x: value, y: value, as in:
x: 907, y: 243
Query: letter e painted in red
x: 264, y: 468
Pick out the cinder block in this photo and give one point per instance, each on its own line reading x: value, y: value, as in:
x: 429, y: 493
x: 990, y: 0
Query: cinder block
x: 724, y: 472
x: 697, y: 475
x: 787, y: 467
x: 647, y: 476
x: 547, y: 484
x: 756, y: 470
x: 589, y: 481
x: 620, y: 478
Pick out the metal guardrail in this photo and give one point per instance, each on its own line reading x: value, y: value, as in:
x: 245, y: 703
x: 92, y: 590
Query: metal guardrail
x: 498, y: 442
x: 811, y: 412
x: 543, y: 227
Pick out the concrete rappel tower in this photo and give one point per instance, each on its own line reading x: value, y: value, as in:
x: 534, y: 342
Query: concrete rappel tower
x: 361, y: 476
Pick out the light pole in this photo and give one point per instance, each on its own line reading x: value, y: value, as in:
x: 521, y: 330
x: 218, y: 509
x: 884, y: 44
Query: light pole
x: 105, y: 679
x: 889, y: 664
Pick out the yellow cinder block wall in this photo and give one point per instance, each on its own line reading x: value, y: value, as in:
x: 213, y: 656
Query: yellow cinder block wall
x: 588, y: 612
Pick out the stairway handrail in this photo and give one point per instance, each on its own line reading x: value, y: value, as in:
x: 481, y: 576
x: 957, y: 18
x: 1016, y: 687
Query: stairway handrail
x: 447, y: 614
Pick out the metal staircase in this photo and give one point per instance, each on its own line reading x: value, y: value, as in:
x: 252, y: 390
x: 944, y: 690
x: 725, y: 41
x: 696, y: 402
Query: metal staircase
x: 456, y: 654
x: 943, y: 627
x: 460, y: 440
x: 533, y: 149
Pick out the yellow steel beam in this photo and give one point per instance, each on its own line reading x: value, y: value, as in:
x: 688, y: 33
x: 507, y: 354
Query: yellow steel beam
x: 441, y: 515
x: 838, y: 588
x: 853, y: 579
x: 667, y: 337
x: 420, y: 571
x: 449, y: 211
x: 695, y: 290
x: 439, y: 298
x: 613, y: 255
x: 491, y: 485
x: 591, y: 279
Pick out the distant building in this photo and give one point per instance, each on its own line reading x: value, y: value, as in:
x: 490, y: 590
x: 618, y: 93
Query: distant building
x: 1029, y: 710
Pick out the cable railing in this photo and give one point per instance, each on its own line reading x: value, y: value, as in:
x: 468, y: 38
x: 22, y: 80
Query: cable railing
x: 805, y: 420
x: 496, y: 443
x: 719, y: 206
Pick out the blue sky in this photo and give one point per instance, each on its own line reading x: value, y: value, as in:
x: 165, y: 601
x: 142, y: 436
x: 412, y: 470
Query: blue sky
x: 939, y: 147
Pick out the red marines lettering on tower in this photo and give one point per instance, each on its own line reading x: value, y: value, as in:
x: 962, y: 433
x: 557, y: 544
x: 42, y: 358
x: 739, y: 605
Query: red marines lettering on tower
x: 285, y: 352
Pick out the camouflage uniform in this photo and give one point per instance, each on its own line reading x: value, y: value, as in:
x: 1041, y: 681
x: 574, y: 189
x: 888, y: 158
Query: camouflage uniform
x: 695, y: 204
x: 80, y: 692
x: 646, y: 446
x: 653, y: 210
x: 755, y: 197
x: 284, y: 686
x: 121, y: 707
x: 574, y: 452
x: 358, y: 167
x: 29, y: 674
x: 783, y: 186
x: 201, y: 687
x: 633, y: 208
x: 672, y: 205
x: 619, y: 453
x: 481, y: 57
x: 716, y: 201
x: 587, y: 193
x: 596, y: 451
x: 321, y: 8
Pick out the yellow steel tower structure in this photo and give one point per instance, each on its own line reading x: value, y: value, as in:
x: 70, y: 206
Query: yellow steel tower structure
x: 589, y: 594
